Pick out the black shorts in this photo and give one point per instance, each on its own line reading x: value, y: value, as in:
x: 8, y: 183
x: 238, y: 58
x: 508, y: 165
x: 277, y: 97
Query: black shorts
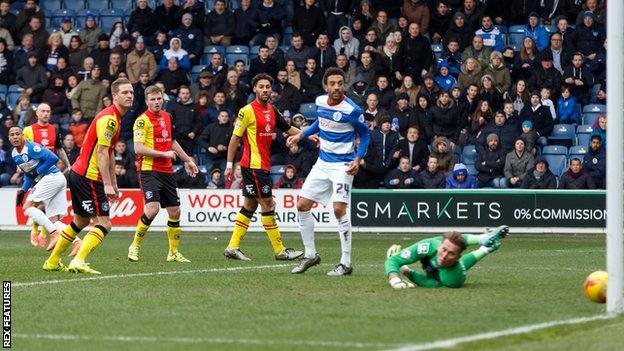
x: 257, y: 183
x: 159, y: 187
x: 88, y: 197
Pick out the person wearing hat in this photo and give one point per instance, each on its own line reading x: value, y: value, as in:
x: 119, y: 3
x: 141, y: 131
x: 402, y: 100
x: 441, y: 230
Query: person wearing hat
x: 540, y: 176
x: 490, y: 164
x: 546, y: 76
x: 460, y: 179
x: 191, y: 38
x: 32, y: 78
x: 499, y: 72
x: 67, y: 30
x: 588, y: 37
x: 517, y: 162
x: 91, y: 33
x: 166, y: 13
x: 196, y: 9
x: 459, y: 31
x: 175, y: 51
x: 539, y: 115
x: 102, y: 52
x: 140, y: 59
x: 385, y: 140
x: 205, y: 82
x: 402, y: 111
x: 595, y: 7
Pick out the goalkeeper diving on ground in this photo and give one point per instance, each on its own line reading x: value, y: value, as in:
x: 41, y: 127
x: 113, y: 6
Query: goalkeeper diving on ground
x: 441, y: 258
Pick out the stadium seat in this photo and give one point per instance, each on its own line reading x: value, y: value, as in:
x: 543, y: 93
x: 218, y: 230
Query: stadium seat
x: 177, y: 168
x: 17, y: 6
x: 551, y: 28
x: 231, y: 58
x: 308, y: 111
x: 502, y: 29
x: 578, y: 151
x: 288, y: 33
x: 472, y: 170
x: 97, y: 4
x: 14, y: 88
x: 519, y: 28
x: 197, y: 68
x: 276, y: 172
x: 584, y: 129
x: 4, y: 89
x: 123, y: 4
x: 209, y: 4
x: 557, y: 163
x: 563, y: 134
x: 583, y: 139
x: 108, y: 17
x: 554, y: 150
x: 595, y: 108
x: 437, y: 50
x: 12, y: 98
x: 253, y: 52
x: 237, y: 49
x: 469, y: 155
x: 211, y: 49
x: 50, y: 5
x: 590, y: 117
x: 58, y: 16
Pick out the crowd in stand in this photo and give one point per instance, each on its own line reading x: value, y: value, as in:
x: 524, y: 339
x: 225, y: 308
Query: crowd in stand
x: 456, y: 93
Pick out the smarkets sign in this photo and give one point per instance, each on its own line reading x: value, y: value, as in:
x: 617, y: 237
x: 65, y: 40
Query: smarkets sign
x: 478, y: 208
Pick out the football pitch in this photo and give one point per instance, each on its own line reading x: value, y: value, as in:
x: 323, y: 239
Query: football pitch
x: 514, y: 299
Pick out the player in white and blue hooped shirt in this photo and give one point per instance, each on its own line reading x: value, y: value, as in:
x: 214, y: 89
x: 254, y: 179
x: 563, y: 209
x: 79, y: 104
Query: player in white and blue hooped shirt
x: 40, y: 173
x: 338, y: 124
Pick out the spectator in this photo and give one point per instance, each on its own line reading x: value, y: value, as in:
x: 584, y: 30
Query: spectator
x: 54, y: 95
x: 445, y: 119
x: 479, y: 120
x: 88, y: 95
x: 166, y: 15
x: 286, y: 97
x: 6, y: 64
x: 579, y: 77
x: 176, y: 51
x: 403, y: 114
x: 214, y: 139
x: 246, y: 21
x: 372, y: 108
x: 142, y: 20
x: 220, y: 24
x: 196, y: 9
x: 214, y: 108
x: 567, y: 111
x: 214, y: 181
x: 539, y: 115
x: 540, y: 177
x: 32, y: 78
x: 274, y: 51
x: 384, y: 94
x: 386, y: 141
x: 185, y: 117
x: 527, y: 60
x: 347, y: 44
x: 204, y: 83
x: 431, y: 177
x: 546, y: 101
x: 21, y: 53
x: 69, y: 145
x: 263, y: 63
x: 507, y: 132
x: 595, y: 161
x: 173, y: 77
x: 270, y: 17
x: 84, y: 72
x: 160, y: 45
x: 90, y: 34
x: 7, y: 168
x: 459, y: 31
x: 358, y: 91
x: 191, y: 38
x: 546, y: 76
x: 289, y: 180
x: 520, y: 95
x: 492, y: 37
x: 517, y: 163
x: 473, y: 14
x: 442, y: 150
x: 414, y: 148
x: 499, y: 72
x: 298, y: 52
x: 403, y: 177
x: 67, y: 31
x: 294, y: 77
x: 460, y: 179
x: 415, y: 55
x: 440, y: 22
x: 423, y: 119
x: 372, y: 172
x: 600, y: 129
x: 408, y: 87
x: 489, y: 93
x: 566, y: 32
x: 236, y: 180
x: 140, y: 59
x: 113, y: 68
x: 309, y: 21
x: 217, y: 68
x: 383, y: 27
x: 490, y: 164
x: 7, y: 19
x: 117, y: 31
x: 364, y: 14
x: 235, y: 92
x: 575, y: 177
x: 444, y: 80
x: 530, y: 136
x: 30, y: 10
x: 127, y: 160
x: 560, y: 54
x: 77, y: 128
x: 185, y: 181
x: 24, y: 112
x: 417, y: 11
x: 311, y: 82
x: 478, y: 51
x: 470, y: 73
x: 536, y: 31
x: 102, y: 53
x: 323, y: 53
x: 77, y: 53
x: 430, y: 89
x: 452, y: 55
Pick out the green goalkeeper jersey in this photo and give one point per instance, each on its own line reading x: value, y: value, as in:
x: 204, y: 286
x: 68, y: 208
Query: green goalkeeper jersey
x: 425, y: 252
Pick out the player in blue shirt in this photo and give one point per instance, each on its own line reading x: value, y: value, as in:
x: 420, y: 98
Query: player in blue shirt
x: 338, y: 124
x: 39, y: 167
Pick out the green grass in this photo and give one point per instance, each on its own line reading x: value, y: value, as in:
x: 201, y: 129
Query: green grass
x: 532, y: 279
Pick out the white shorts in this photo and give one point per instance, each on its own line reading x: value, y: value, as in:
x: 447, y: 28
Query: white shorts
x: 50, y: 190
x: 328, y: 181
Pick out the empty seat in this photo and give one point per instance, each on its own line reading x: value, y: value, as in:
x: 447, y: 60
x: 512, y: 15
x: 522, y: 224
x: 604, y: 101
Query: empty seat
x: 276, y: 172
x: 557, y: 163
x: 237, y: 49
x: 123, y: 4
x: 97, y: 4
x: 584, y: 129
x: 50, y: 5
x: 469, y: 155
x: 578, y: 151
x: 583, y: 139
x: 14, y: 88
x: 554, y: 150
x: 563, y: 134
x: 108, y: 17
x: 4, y: 89
x: 596, y: 108
x: 308, y: 111
x: 590, y: 117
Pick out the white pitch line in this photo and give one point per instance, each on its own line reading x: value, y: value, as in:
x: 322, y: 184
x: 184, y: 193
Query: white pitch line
x: 147, y: 274
x: 448, y: 343
x: 183, y: 340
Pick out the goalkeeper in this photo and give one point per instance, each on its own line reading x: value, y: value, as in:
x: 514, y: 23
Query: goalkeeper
x: 441, y: 259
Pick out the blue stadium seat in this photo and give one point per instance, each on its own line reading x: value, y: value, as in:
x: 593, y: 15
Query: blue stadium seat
x: 4, y: 89
x: 502, y: 29
x: 276, y: 172
x: 584, y: 129
x: 563, y: 134
x: 551, y: 28
x: 253, y: 52
x: 197, y: 68
x: 58, y: 16
x: 17, y: 6
x: 308, y: 111
x: 214, y: 48
x: 12, y: 98
x: 288, y: 33
x: 231, y: 58
x: 108, y: 17
x: 578, y: 150
x: 237, y: 49
x: 14, y: 88
x: 97, y: 4
x: 518, y: 28
x: 469, y: 155
x: 123, y: 4
x: 590, y: 117
x: 515, y: 40
x: 76, y: 4
x: 583, y: 139
x: 554, y: 150
x: 472, y: 170
x: 209, y: 4
x: 50, y: 5
x: 595, y: 108
x: 557, y: 163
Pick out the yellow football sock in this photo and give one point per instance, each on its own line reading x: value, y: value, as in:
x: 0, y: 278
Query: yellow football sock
x: 91, y: 241
x: 142, y: 227
x: 35, y: 227
x: 173, y: 234
x: 270, y: 226
x: 43, y: 232
x: 65, y: 239
x: 241, y: 224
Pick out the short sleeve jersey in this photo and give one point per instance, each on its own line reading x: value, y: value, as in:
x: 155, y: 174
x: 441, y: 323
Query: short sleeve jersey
x: 155, y: 132
x: 103, y: 131
x: 256, y: 124
x: 46, y: 136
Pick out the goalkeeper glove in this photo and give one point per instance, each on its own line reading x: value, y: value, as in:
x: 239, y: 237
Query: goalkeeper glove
x: 398, y: 283
x: 392, y: 250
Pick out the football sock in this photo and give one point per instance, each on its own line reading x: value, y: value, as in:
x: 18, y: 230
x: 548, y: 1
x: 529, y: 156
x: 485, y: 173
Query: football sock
x: 91, y: 241
x: 344, y: 232
x: 306, y: 227
x: 35, y: 227
x: 474, y: 239
x: 173, y: 234
x: 38, y: 216
x: 66, y: 237
x: 241, y: 224
x: 270, y: 226
x: 142, y: 227
x: 43, y: 232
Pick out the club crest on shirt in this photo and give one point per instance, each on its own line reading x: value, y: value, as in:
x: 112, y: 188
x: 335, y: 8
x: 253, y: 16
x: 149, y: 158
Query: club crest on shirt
x: 362, y: 119
x: 337, y: 116
x: 37, y: 148
x: 162, y: 123
x: 267, y: 117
